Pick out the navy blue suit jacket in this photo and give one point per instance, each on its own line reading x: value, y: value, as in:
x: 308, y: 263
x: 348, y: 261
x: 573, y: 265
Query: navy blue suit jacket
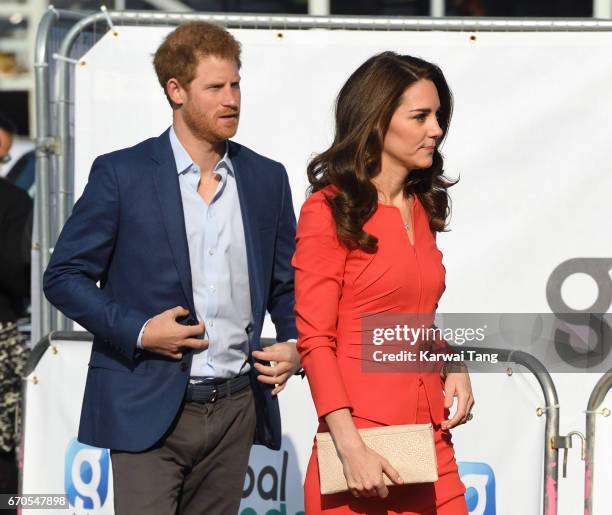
x: 128, y: 232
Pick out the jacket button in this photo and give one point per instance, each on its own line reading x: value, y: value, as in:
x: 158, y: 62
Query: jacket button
x: 184, y: 366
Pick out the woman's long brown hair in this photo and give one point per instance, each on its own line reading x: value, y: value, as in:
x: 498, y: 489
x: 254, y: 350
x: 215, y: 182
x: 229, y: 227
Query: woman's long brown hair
x: 364, y: 109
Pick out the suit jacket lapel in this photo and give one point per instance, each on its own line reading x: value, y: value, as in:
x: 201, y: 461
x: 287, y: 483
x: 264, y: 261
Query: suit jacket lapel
x: 246, y: 183
x: 171, y: 206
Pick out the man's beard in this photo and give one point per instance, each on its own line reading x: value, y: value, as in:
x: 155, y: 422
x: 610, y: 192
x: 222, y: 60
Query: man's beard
x: 204, y: 128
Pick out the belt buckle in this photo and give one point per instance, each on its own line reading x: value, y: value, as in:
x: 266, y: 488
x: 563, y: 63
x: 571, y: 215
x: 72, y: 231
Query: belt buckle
x: 214, y: 394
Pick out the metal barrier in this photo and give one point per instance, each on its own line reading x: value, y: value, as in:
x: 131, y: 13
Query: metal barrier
x: 553, y: 440
x: 598, y: 395
x: 52, y: 29
x: 68, y: 57
x: 551, y: 410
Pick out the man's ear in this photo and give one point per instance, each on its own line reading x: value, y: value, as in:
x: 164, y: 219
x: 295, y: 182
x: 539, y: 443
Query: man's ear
x: 175, y: 92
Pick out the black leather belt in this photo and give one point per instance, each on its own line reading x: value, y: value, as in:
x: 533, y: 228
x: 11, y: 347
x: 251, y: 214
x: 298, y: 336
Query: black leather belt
x: 211, y: 391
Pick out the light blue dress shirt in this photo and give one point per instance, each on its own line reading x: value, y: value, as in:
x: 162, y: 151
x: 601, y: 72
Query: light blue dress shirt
x: 219, y: 268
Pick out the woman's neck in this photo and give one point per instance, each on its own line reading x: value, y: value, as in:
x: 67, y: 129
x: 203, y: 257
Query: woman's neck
x: 390, y: 185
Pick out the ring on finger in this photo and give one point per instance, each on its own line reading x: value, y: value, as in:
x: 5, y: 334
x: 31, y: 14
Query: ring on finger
x: 469, y: 417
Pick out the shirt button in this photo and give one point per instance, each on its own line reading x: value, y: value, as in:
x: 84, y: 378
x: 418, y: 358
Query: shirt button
x: 209, y: 214
x: 213, y: 289
x: 211, y: 251
x: 211, y: 323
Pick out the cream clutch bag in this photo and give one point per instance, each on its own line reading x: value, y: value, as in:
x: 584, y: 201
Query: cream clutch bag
x: 409, y: 448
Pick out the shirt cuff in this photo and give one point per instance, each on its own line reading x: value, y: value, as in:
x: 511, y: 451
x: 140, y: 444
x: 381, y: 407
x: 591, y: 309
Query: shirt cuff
x: 139, y: 341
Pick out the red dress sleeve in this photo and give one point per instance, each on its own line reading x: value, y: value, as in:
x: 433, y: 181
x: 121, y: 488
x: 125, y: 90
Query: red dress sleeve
x: 319, y: 262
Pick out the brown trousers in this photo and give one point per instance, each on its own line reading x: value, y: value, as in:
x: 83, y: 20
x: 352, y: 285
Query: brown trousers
x: 198, y: 468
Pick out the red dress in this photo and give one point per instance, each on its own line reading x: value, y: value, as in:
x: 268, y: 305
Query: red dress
x: 334, y: 287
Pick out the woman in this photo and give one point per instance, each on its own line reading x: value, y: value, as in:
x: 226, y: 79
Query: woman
x: 15, y: 246
x: 366, y: 245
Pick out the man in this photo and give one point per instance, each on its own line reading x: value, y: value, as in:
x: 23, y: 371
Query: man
x: 190, y: 236
x: 18, y: 166
x: 15, y: 245
x: 7, y: 129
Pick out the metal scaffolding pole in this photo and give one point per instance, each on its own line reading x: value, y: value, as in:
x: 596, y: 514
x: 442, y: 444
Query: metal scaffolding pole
x: 437, y: 8
x: 318, y: 7
x: 45, y: 149
x: 551, y: 411
x: 602, y: 9
x: 41, y: 237
x: 597, y: 397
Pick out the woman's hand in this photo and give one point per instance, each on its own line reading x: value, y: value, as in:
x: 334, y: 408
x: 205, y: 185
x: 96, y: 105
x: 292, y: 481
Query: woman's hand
x: 458, y: 384
x: 363, y: 470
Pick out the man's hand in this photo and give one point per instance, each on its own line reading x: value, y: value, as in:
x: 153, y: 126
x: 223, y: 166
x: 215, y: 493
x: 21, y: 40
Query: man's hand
x: 287, y: 360
x: 457, y: 384
x: 164, y: 335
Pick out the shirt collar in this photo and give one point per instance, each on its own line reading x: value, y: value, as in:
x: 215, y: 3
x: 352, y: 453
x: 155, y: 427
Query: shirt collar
x: 184, y: 163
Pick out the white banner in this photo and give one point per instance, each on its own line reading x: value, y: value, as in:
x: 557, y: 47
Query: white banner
x: 529, y: 141
x: 53, y: 461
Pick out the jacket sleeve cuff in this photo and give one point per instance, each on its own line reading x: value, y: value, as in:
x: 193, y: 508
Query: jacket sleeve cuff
x: 128, y: 336
x: 286, y: 332
x: 326, y: 385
